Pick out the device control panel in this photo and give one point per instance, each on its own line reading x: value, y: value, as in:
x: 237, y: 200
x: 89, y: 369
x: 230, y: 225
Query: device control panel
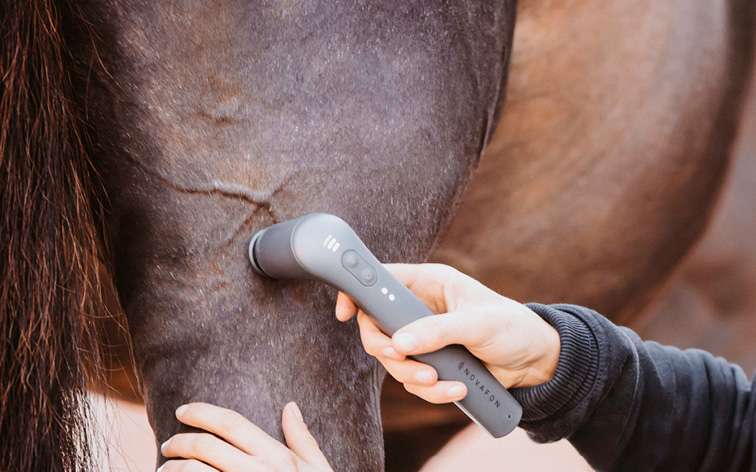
x: 359, y: 268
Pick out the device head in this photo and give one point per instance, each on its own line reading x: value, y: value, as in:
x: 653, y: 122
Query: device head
x: 304, y: 247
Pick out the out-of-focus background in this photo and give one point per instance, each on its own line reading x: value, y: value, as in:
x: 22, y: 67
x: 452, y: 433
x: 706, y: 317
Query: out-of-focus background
x: 711, y: 302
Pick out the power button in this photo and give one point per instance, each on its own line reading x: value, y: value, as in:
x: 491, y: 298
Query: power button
x: 359, y: 268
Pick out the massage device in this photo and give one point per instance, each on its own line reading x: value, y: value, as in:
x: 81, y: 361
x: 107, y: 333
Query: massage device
x: 324, y: 247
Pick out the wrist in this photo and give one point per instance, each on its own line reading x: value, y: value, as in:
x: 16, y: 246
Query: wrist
x: 576, y: 369
x: 543, y: 366
x: 546, y: 365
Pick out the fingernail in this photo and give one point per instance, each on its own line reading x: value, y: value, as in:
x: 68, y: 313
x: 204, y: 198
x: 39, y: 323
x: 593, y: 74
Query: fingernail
x: 164, y: 445
x: 424, y: 376
x: 181, y: 410
x: 405, y: 342
x: 159, y: 468
x: 390, y: 352
x: 456, y: 391
x: 297, y: 412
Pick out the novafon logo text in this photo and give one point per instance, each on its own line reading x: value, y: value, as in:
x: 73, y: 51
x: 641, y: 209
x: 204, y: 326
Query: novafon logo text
x: 477, y: 383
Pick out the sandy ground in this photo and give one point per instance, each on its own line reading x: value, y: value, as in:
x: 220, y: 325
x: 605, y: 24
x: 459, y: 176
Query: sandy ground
x: 131, y: 447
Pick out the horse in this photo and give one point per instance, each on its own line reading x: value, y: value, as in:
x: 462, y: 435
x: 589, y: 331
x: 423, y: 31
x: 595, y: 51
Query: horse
x: 143, y: 142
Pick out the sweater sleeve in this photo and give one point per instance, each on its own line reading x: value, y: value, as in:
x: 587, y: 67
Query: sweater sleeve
x: 629, y: 404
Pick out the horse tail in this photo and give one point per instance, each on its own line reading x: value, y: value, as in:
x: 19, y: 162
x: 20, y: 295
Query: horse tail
x: 50, y: 292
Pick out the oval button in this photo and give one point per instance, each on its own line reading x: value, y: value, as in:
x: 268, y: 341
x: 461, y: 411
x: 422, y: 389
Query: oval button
x: 350, y: 259
x: 359, y: 268
x: 367, y: 274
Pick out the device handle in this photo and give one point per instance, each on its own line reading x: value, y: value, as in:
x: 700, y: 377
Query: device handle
x: 488, y: 403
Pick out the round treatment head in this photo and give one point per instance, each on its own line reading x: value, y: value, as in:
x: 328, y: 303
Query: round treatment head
x: 251, y: 252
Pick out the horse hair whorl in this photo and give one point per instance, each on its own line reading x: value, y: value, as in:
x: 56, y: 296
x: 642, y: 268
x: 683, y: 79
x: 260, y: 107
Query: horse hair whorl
x: 49, y: 286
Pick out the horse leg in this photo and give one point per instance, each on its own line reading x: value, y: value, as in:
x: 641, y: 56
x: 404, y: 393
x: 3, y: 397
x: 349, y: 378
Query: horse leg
x: 219, y: 119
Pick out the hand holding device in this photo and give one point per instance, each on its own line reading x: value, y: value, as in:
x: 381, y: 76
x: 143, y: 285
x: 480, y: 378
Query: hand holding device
x: 323, y: 247
x: 516, y: 345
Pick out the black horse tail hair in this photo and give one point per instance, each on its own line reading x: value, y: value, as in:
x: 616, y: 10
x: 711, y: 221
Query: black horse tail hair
x: 50, y: 290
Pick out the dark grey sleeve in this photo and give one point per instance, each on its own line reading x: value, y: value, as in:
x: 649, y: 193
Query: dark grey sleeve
x: 629, y: 404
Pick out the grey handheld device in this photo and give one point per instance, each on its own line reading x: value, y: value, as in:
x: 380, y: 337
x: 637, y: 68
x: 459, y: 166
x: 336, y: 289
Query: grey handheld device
x: 324, y: 247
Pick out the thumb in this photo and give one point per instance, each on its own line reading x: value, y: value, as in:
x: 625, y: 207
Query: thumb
x: 427, y: 282
x: 431, y: 333
x: 299, y: 439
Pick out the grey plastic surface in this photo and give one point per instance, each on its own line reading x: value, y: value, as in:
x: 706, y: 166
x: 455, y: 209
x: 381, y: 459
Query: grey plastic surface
x: 312, y: 246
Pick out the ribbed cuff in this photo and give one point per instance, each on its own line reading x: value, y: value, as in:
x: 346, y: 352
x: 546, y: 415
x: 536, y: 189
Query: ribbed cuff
x: 576, y: 369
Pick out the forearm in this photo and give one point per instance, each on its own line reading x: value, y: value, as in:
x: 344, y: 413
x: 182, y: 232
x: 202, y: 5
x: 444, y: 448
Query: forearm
x: 629, y: 404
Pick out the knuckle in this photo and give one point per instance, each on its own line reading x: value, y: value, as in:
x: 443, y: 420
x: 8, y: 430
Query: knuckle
x: 230, y: 423
x: 283, y: 463
x: 441, y: 327
x: 252, y: 463
x: 400, y: 376
x: 443, y: 269
x: 291, y: 463
x: 199, y: 443
x: 423, y: 393
x: 433, y: 331
x: 392, y: 371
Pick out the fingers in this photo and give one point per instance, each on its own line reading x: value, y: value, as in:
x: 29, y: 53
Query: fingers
x: 374, y: 341
x: 431, y: 333
x: 379, y: 346
x: 299, y: 439
x: 345, y: 307
x: 410, y: 371
x: 210, y: 450
x: 239, y: 445
x: 232, y: 427
x: 189, y: 465
x: 440, y: 392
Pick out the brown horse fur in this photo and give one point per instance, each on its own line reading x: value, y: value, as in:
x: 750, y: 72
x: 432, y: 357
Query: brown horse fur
x: 49, y: 284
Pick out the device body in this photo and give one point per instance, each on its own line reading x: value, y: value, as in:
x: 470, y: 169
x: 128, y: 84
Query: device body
x: 324, y: 247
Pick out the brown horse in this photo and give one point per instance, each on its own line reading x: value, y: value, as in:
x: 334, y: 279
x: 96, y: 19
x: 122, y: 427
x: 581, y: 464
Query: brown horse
x: 205, y: 122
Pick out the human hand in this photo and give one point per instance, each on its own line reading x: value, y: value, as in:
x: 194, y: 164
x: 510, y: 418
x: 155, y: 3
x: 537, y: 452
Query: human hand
x: 514, y: 343
x: 232, y: 443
